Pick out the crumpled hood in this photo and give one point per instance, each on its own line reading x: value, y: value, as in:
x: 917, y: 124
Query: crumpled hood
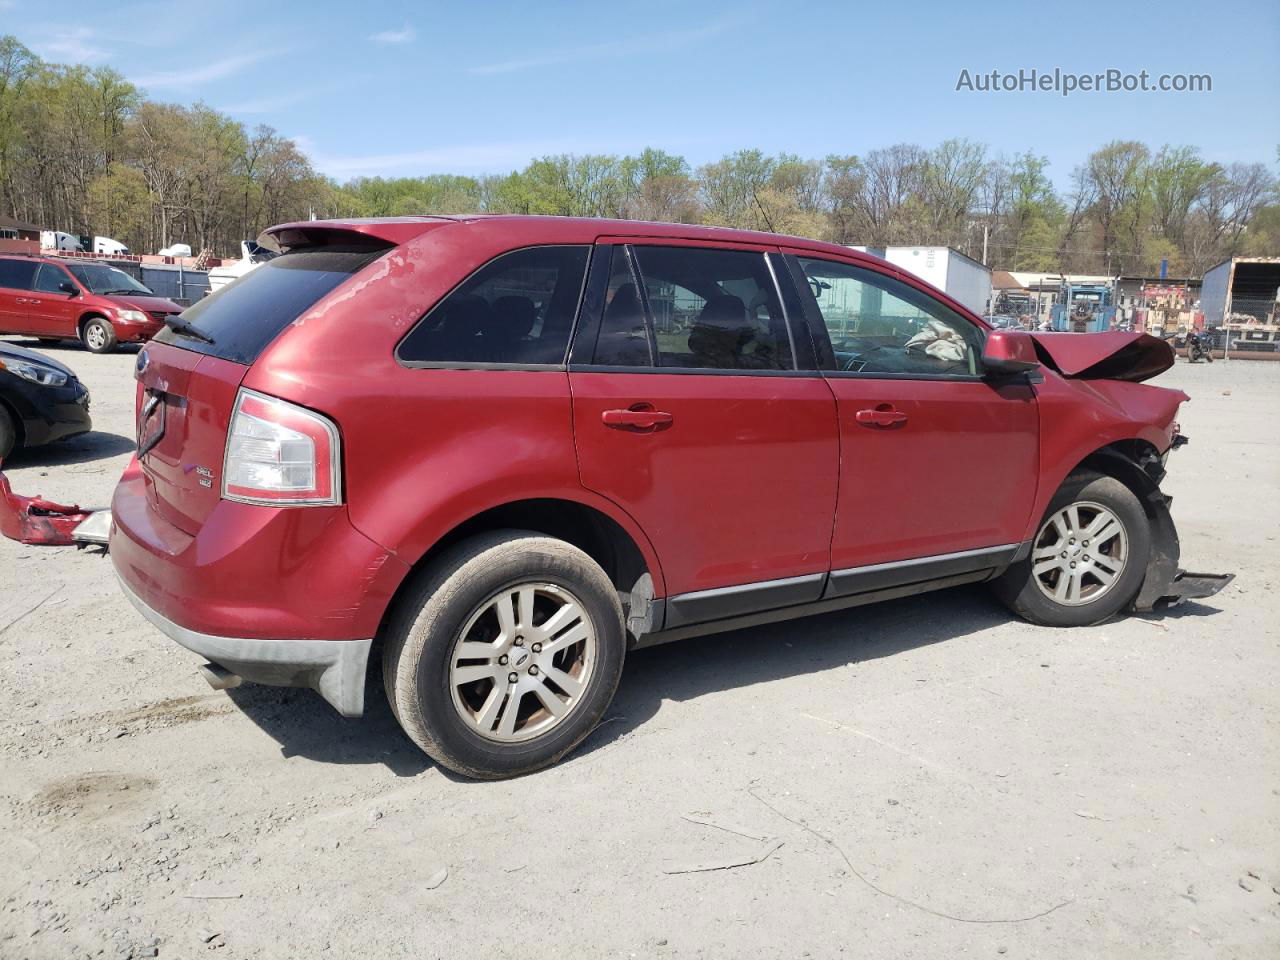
x: 1104, y: 356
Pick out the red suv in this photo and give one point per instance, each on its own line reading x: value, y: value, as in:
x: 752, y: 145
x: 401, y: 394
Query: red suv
x: 505, y: 450
x: 99, y: 305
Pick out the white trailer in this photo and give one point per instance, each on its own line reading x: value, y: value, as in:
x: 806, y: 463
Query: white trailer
x: 960, y: 277
x: 1241, y: 296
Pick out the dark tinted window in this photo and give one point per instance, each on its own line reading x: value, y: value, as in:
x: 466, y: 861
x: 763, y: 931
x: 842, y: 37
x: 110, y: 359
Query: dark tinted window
x: 880, y: 325
x: 248, y: 313
x: 17, y: 274
x: 518, y: 308
x: 709, y: 309
x: 624, y: 337
x: 49, y: 278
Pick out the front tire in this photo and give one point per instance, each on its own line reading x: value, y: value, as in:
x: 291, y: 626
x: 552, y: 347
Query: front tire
x: 1088, y: 558
x: 8, y: 433
x: 98, y: 335
x: 504, y: 653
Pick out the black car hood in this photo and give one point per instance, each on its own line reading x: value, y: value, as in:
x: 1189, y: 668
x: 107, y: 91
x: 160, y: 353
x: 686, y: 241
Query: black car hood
x: 22, y: 353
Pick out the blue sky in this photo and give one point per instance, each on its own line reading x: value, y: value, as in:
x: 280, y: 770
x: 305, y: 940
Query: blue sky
x: 400, y: 88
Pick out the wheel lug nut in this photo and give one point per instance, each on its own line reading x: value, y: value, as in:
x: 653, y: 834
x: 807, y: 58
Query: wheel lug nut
x: 533, y: 670
x: 1085, y: 543
x: 1064, y: 554
x: 1073, y: 564
x: 537, y: 648
x: 519, y: 641
x: 502, y: 660
x: 513, y: 677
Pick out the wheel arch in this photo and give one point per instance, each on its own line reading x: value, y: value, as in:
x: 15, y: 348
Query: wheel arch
x: 1137, y: 464
x: 91, y: 314
x: 630, y: 566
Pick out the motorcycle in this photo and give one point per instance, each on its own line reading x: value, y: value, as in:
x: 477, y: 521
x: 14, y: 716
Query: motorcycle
x: 1199, y: 347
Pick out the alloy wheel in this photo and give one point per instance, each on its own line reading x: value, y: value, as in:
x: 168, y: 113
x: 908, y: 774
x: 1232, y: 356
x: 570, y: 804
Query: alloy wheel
x: 95, y: 336
x: 1079, y: 553
x: 523, y: 662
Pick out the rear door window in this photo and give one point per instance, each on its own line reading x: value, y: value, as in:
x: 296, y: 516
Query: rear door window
x: 708, y: 309
x: 516, y: 310
x: 244, y: 317
x: 17, y: 274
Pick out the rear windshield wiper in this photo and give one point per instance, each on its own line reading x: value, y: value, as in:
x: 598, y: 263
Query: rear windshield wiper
x: 183, y: 328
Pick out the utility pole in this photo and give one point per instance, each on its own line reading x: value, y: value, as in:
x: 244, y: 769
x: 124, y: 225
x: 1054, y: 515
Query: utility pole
x: 985, y: 229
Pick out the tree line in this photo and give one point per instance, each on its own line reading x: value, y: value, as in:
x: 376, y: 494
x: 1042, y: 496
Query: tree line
x: 83, y: 150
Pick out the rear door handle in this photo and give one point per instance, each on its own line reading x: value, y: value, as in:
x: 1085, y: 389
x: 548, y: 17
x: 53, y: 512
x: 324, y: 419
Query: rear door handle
x: 640, y: 416
x: 880, y: 417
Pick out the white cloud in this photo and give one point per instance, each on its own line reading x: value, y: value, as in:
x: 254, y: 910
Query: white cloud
x: 668, y: 42
x: 405, y: 34
x: 193, y: 77
x: 70, y: 46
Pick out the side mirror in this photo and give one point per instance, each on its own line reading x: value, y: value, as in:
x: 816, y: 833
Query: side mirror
x: 1009, y: 352
x: 66, y: 286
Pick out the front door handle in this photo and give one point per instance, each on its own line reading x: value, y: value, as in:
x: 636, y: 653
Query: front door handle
x: 882, y: 416
x: 32, y: 301
x: 641, y: 416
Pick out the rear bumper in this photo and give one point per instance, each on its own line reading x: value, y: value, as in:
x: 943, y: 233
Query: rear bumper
x: 267, y: 573
x: 333, y: 668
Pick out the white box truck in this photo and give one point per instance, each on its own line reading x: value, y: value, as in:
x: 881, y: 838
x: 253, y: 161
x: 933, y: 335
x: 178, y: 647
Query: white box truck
x: 960, y: 277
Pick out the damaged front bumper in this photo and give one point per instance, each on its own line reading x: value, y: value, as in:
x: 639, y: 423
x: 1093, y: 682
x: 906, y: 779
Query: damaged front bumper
x: 333, y: 668
x: 1166, y: 584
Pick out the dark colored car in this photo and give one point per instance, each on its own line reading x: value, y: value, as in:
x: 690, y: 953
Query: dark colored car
x: 40, y: 400
x: 55, y: 299
x: 505, y: 450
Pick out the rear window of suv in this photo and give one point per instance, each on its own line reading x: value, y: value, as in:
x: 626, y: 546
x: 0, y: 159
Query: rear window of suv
x: 243, y: 317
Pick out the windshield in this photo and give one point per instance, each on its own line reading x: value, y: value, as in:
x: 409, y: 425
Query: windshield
x: 100, y: 278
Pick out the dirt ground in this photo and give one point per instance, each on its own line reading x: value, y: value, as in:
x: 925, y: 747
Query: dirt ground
x: 924, y: 778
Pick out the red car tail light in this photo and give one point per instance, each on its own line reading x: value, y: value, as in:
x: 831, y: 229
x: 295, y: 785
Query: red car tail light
x: 280, y: 454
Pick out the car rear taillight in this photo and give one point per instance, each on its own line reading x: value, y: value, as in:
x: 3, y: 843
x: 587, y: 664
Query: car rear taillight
x: 281, y: 454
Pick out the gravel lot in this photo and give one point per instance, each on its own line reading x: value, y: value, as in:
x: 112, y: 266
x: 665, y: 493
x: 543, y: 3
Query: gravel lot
x: 941, y: 779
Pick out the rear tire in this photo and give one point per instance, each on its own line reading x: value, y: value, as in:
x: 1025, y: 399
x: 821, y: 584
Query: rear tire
x: 509, y: 604
x: 98, y: 335
x: 1088, y: 558
x: 8, y: 433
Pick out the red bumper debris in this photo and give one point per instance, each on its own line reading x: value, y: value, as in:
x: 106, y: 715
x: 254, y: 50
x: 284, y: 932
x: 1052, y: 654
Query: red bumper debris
x: 37, y: 520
